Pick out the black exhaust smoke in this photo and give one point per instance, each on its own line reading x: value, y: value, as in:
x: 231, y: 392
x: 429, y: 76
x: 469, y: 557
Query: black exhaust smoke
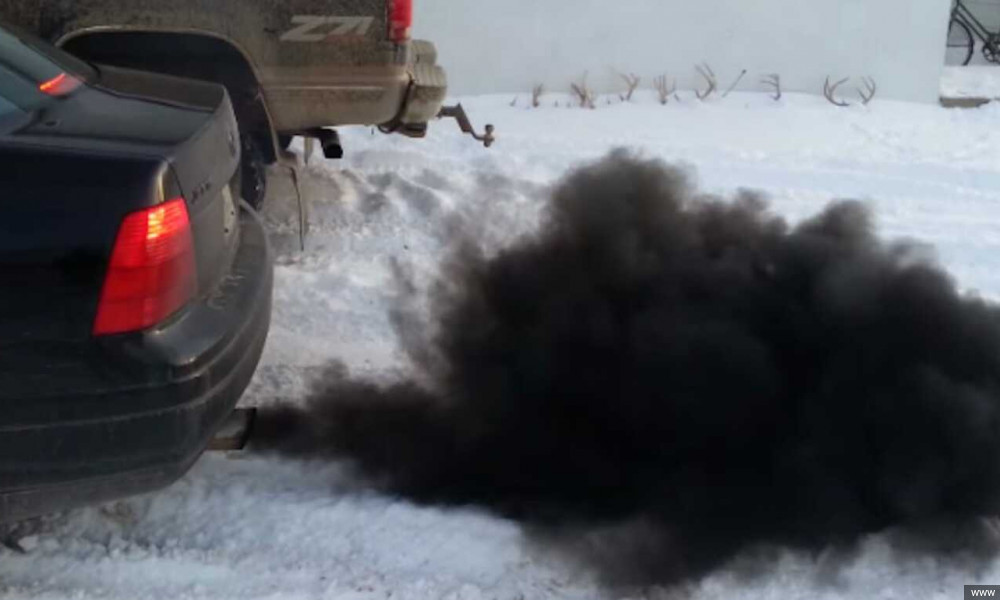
x: 675, y: 379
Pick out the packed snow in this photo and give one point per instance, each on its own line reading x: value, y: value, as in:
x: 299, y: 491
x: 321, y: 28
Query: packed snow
x: 974, y: 81
x: 247, y: 527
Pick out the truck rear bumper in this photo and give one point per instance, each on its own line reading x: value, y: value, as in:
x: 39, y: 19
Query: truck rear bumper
x: 144, y: 438
x: 330, y: 96
x: 426, y: 96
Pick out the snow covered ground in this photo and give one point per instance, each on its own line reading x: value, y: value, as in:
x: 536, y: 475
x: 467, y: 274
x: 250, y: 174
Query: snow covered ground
x: 974, y: 81
x: 246, y: 527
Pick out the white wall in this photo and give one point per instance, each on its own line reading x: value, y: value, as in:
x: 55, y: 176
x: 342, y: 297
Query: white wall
x: 508, y: 46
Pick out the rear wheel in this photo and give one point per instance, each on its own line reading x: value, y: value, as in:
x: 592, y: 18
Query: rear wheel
x: 961, y: 44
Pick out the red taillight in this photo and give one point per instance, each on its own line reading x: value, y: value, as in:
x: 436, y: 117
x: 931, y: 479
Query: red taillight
x: 60, y: 85
x: 400, y: 20
x: 152, y: 271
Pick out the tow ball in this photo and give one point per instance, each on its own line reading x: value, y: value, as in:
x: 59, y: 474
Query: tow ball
x: 457, y: 112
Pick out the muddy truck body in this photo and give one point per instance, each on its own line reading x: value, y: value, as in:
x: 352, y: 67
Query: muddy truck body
x: 292, y: 67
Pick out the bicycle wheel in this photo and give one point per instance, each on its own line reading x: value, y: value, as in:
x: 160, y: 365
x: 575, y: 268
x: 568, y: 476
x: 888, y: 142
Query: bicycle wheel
x: 960, y: 44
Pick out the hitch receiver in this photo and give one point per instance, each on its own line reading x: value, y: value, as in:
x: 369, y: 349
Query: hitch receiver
x: 457, y: 112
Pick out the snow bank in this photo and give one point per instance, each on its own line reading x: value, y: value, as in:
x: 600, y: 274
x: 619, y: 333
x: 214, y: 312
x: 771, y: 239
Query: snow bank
x: 971, y: 82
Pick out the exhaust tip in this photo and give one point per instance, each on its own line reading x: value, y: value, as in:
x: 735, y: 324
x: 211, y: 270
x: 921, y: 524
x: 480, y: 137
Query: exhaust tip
x: 235, y: 431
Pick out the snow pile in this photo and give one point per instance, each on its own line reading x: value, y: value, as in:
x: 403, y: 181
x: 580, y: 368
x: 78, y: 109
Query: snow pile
x: 267, y: 528
x: 971, y: 82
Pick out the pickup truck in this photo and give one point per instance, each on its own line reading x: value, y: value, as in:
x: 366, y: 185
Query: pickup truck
x: 291, y: 67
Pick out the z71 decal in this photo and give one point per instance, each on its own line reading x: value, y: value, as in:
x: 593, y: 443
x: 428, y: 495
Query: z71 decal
x: 312, y: 28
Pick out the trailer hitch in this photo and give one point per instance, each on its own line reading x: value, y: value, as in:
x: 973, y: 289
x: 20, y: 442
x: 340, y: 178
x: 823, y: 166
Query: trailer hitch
x: 457, y: 112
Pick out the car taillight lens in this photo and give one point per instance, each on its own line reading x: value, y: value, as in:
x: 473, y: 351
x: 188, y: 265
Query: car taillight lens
x: 152, y: 270
x: 60, y: 85
x: 400, y: 20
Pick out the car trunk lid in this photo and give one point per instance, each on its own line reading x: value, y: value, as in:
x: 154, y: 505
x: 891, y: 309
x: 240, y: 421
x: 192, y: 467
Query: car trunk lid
x: 74, y: 173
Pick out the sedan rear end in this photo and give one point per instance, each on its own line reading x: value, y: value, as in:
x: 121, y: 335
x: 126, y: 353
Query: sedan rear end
x: 135, y: 294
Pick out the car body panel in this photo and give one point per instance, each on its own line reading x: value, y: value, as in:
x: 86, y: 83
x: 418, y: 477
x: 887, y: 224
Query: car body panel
x: 84, y: 163
x: 85, y: 417
x: 101, y: 442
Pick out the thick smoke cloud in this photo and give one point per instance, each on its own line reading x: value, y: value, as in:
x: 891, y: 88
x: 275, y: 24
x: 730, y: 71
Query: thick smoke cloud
x: 675, y: 378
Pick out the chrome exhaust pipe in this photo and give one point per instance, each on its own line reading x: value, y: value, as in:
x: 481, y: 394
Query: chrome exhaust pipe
x: 235, y: 431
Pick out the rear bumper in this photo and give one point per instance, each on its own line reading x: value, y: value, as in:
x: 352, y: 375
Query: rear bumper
x: 331, y: 95
x: 425, y: 96
x: 106, y: 443
x: 429, y: 87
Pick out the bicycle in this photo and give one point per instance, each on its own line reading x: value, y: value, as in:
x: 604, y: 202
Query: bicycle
x: 963, y: 30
